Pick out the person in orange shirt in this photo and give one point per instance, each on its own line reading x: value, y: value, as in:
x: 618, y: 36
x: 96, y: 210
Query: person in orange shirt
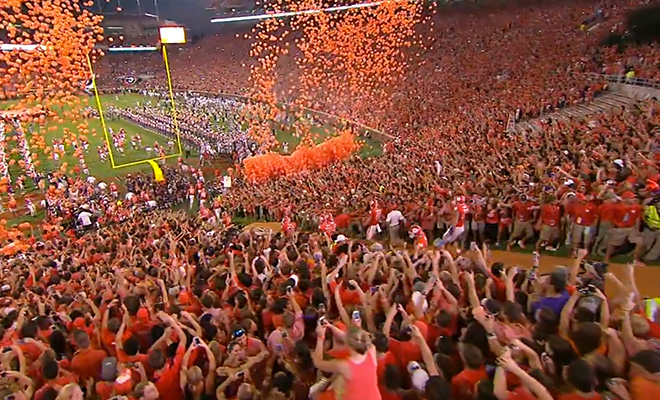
x: 549, y: 224
x: 405, y: 349
x: 54, y: 378
x: 523, y: 230
x: 605, y: 216
x: 463, y: 384
x: 86, y: 362
x: 585, y: 220
x: 625, y: 220
x: 530, y: 388
x: 385, y: 358
x: 644, y: 376
x: 167, y: 373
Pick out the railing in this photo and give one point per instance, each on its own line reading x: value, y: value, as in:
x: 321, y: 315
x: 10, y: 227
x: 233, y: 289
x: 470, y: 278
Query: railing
x: 362, y: 129
x: 650, y: 83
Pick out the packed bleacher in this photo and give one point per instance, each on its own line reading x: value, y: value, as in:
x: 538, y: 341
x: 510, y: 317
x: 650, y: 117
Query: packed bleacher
x: 381, y: 283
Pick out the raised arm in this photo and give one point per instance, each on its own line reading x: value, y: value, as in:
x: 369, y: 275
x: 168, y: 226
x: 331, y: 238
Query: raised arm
x: 427, y: 355
x: 566, y: 313
x: 340, y: 307
x: 317, y: 356
x: 575, y: 268
x: 391, y: 313
x: 472, y: 291
x: 530, y: 383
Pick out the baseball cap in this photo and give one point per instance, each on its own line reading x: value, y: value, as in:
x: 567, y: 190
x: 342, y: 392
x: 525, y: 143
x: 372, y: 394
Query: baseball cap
x: 491, y: 306
x: 237, y: 334
x: 109, y: 369
x: 294, y: 278
x: 418, y: 376
x: 340, y: 238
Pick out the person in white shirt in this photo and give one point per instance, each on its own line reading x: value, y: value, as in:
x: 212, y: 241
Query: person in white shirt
x: 85, y: 219
x: 395, y: 220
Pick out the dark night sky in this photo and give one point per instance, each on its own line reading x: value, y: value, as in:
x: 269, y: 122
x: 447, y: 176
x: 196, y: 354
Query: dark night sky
x: 191, y: 13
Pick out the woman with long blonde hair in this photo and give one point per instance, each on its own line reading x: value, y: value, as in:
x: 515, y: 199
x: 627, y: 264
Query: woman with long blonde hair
x: 358, y: 370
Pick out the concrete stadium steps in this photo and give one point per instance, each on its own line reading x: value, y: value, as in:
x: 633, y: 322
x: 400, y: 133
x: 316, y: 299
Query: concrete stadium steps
x: 602, y: 104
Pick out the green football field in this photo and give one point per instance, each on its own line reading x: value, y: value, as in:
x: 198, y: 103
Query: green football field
x: 104, y: 170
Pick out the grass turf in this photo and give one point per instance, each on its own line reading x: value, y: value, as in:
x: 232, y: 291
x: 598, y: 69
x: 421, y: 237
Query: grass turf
x: 101, y: 170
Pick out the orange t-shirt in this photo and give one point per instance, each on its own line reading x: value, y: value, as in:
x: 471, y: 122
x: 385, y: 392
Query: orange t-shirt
x: 348, y: 297
x: 386, y: 359
x: 87, y: 363
x: 606, y: 211
x: 168, y: 380
x: 104, y: 389
x: 641, y: 388
x: 550, y: 214
x: 585, y: 214
x: 405, y: 352
x: 462, y: 385
x: 523, y: 211
x: 341, y: 353
x: 626, y: 215
x: 30, y: 350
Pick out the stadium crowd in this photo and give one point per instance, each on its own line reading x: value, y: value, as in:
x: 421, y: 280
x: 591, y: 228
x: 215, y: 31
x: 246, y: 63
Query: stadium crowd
x: 167, y: 307
x: 210, y: 125
x: 122, y: 297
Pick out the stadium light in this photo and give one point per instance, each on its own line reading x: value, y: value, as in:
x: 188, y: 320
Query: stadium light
x: 131, y: 49
x: 292, y: 13
x: 22, y: 47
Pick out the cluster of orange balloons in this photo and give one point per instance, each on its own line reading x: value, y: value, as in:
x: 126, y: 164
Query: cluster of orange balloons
x: 305, y: 158
x: 357, y: 54
x: 345, y: 62
x: 54, y: 39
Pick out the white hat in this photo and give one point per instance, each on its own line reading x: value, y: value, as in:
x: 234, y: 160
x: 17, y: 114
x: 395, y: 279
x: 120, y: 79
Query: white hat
x: 340, y: 238
x: 418, y: 376
x: 619, y: 162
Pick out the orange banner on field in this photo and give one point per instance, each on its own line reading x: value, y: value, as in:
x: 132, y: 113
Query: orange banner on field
x: 268, y: 166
